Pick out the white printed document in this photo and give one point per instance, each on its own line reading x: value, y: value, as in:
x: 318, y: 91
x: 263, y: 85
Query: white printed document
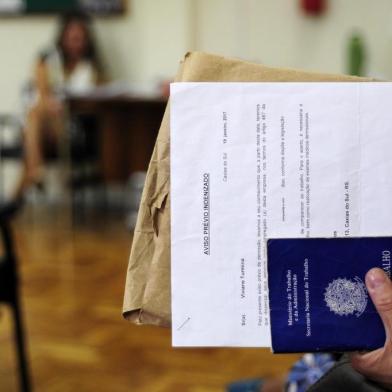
x: 251, y: 161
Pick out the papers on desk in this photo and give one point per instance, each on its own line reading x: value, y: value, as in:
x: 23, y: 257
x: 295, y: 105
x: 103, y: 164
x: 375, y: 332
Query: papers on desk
x: 251, y: 161
x: 118, y: 89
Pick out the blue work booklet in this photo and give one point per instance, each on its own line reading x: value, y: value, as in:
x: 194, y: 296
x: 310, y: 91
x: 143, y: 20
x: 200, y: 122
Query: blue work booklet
x: 317, y: 293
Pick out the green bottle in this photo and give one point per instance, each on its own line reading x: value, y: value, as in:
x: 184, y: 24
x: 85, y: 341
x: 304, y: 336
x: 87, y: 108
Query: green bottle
x: 356, y: 56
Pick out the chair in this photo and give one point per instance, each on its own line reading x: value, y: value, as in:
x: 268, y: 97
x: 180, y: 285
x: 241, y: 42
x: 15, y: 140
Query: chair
x: 9, y: 292
x: 84, y: 159
x: 9, y: 151
x: 83, y: 154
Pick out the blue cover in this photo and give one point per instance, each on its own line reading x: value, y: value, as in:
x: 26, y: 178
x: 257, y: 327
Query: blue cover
x: 317, y: 293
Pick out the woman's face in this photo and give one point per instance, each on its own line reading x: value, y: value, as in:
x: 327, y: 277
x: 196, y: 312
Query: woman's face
x: 74, y: 40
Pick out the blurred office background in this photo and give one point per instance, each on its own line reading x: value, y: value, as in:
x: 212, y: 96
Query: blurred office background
x: 145, y: 44
x: 72, y: 242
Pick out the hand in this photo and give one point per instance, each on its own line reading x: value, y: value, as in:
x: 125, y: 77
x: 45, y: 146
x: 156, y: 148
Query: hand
x: 377, y: 365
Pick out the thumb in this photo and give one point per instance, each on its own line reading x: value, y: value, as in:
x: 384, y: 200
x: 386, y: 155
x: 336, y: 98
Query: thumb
x: 379, y: 286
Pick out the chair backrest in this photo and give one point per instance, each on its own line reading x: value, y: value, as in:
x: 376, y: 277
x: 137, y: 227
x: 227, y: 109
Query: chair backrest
x: 10, y: 136
x: 7, y: 213
x: 8, y: 274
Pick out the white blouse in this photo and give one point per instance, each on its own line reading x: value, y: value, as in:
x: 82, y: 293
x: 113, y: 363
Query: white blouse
x: 81, y: 79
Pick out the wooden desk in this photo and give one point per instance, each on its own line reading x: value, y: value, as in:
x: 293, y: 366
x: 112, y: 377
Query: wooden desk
x: 128, y: 128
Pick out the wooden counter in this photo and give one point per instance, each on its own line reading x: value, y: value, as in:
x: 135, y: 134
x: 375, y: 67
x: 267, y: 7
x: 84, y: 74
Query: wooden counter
x: 128, y: 127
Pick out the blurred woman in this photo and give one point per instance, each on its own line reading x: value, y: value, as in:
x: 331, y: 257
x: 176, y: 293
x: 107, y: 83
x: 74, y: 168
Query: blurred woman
x: 71, y: 66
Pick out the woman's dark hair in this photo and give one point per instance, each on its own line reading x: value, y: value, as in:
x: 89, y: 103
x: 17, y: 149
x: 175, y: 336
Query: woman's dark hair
x: 90, y: 52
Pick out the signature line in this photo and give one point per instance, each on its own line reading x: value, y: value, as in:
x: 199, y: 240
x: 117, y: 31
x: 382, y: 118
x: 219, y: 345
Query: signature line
x: 182, y: 325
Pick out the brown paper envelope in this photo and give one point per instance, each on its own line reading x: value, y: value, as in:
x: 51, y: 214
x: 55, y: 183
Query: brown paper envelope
x: 147, y: 289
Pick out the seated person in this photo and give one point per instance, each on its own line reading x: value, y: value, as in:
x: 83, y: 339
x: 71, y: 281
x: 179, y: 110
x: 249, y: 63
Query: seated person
x: 72, y: 65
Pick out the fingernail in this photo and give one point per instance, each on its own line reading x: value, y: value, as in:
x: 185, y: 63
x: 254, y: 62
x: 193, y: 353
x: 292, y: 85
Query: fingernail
x: 376, y: 278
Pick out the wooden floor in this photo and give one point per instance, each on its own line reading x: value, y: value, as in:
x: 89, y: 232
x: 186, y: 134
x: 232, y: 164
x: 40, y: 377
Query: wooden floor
x: 72, y: 286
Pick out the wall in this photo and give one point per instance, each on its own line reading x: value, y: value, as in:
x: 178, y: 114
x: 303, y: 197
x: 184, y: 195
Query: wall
x: 277, y: 33
x: 147, y: 44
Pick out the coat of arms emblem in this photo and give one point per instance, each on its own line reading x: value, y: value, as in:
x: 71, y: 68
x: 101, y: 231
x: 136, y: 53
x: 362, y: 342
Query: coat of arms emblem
x: 346, y: 297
